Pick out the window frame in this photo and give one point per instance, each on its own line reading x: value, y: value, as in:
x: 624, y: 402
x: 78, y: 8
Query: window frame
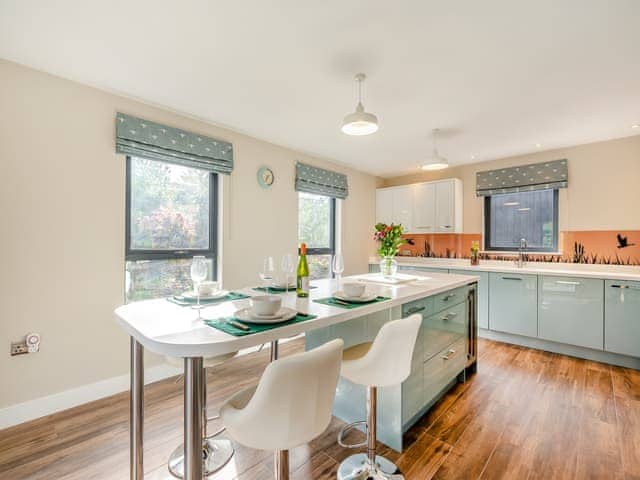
x: 210, y: 252
x: 487, y: 228
x: 331, y: 250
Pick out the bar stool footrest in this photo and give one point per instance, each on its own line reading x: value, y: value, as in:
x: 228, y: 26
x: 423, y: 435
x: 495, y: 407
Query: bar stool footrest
x: 347, y: 428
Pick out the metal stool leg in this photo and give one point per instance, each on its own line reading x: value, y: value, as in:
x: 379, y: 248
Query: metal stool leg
x: 364, y: 466
x: 216, y: 453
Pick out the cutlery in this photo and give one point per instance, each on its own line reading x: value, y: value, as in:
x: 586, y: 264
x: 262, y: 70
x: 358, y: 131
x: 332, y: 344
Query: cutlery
x: 237, y: 324
x: 340, y: 302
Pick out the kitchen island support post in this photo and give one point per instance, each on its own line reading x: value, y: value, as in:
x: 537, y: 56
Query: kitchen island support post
x: 136, y: 410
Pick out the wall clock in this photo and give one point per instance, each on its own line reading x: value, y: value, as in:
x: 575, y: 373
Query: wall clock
x: 265, y: 177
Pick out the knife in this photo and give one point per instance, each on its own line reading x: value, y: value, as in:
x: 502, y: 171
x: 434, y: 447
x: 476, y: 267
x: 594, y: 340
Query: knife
x: 239, y: 325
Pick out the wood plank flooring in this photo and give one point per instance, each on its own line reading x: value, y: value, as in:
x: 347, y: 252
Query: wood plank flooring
x: 525, y: 415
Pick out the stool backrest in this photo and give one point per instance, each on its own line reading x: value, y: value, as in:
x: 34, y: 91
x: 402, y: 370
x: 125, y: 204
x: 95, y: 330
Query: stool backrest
x: 294, y: 399
x: 392, y: 350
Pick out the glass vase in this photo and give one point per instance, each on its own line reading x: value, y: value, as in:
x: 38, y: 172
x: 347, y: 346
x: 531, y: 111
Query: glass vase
x: 388, y: 267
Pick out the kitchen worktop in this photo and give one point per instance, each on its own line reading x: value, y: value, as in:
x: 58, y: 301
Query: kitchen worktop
x: 610, y: 272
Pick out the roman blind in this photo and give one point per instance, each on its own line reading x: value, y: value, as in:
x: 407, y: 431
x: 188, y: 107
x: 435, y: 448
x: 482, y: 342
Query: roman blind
x: 321, y: 182
x: 142, y: 138
x: 525, y: 178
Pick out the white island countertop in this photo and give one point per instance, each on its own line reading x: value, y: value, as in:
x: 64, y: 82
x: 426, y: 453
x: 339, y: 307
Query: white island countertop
x: 609, y: 272
x: 169, y: 329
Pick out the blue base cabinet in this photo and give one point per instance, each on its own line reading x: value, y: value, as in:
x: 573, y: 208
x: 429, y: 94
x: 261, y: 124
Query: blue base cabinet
x: 513, y: 303
x: 483, y: 295
x: 571, y: 310
x: 622, y: 317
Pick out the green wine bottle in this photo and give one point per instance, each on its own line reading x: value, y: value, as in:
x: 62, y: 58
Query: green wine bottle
x: 302, y: 285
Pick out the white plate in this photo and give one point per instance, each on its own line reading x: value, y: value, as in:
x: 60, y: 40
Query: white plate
x: 192, y: 296
x: 284, y: 314
x: 363, y: 299
x: 283, y: 285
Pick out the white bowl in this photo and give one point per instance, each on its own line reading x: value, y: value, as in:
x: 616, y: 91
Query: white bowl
x: 265, y: 304
x: 353, y: 289
x: 209, y: 288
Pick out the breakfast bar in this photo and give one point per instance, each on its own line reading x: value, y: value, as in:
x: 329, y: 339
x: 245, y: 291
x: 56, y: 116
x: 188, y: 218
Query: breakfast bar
x: 175, y: 331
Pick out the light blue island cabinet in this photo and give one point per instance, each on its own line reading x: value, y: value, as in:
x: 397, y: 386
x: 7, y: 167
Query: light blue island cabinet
x: 439, y: 360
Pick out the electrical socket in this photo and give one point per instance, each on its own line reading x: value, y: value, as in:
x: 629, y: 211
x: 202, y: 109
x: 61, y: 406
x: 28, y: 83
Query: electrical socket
x: 19, y: 348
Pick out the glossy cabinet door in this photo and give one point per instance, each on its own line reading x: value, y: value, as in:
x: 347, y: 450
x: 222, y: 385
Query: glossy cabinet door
x: 513, y: 303
x: 384, y: 206
x: 571, y: 310
x: 622, y: 317
x: 424, y: 208
x: 445, y: 213
x: 483, y: 295
x: 403, y: 207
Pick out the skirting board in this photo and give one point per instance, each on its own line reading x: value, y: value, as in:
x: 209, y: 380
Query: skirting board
x: 39, y: 407
x: 570, y: 350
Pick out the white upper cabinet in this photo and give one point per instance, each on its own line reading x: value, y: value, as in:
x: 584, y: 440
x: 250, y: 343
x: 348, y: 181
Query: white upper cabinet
x: 384, y: 205
x: 430, y: 207
x: 424, y: 212
x: 403, y: 207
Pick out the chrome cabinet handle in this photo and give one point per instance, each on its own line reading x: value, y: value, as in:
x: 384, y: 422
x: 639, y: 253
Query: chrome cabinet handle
x: 423, y: 226
x: 631, y: 287
x: 450, y: 354
x: 415, y: 310
x: 449, y: 316
x: 566, y: 282
x: 512, y: 278
x: 445, y: 226
x: 448, y: 297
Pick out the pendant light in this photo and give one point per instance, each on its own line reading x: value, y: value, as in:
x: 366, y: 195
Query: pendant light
x: 436, y: 162
x: 360, y: 122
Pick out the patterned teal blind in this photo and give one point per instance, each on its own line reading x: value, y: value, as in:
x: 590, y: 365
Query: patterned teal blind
x: 142, y: 138
x: 321, y: 182
x: 525, y: 178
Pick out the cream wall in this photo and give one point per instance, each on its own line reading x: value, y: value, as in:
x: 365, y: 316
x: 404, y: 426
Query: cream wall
x: 62, y: 215
x: 603, y: 192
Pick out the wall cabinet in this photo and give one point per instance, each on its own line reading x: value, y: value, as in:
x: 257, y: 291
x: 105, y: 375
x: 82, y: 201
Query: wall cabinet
x: 513, y: 303
x: 571, y: 310
x: 622, y: 317
x: 431, y: 207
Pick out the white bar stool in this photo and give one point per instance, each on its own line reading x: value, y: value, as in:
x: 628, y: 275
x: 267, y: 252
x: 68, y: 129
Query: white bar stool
x: 216, y: 453
x: 290, y: 406
x: 383, y: 363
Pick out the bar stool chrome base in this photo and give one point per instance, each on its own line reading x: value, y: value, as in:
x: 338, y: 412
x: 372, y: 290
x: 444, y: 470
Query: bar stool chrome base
x: 359, y: 467
x: 216, y: 453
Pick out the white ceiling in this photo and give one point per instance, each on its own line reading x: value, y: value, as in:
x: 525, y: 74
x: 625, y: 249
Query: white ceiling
x: 497, y: 76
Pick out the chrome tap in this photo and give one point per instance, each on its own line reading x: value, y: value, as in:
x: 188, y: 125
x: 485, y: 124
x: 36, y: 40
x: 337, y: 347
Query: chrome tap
x: 521, y: 253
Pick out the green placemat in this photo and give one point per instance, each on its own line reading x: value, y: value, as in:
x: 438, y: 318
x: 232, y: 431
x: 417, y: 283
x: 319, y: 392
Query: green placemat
x: 220, y: 324
x: 185, y: 302
x: 334, y: 302
x: 278, y: 289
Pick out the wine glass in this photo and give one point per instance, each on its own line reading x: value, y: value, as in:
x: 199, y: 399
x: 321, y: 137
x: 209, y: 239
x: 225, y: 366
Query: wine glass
x: 267, y: 272
x: 287, y: 267
x: 337, y: 265
x: 199, y: 271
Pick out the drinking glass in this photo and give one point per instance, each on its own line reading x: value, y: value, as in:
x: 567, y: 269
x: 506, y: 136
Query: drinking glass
x: 199, y: 270
x: 337, y: 265
x: 267, y: 272
x: 287, y: 267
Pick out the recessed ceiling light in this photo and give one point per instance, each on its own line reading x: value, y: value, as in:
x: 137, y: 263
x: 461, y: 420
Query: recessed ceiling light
x: 538, y: 145
x: 360, y: 122
x: 436, y: 162
x: 524, y: 209
x: 473, y: 157
x: 511, y: 204
x: 635, y: 126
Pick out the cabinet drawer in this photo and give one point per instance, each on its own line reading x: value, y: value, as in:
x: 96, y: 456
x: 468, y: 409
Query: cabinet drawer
x: 443, y: 368
x: 513, y: 303
x: 443, y: 329
x: 483, y: 295
x: 570, y: 310
x: 424, y: 307
x: 447, y: 299
x: 622, y: 317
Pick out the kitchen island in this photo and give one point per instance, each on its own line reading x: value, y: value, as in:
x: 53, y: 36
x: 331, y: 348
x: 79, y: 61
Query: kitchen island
x: 172, y: 330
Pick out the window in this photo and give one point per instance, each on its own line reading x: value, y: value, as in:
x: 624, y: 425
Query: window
x: 170, y: 217
x: 316, y: 228
x: 532, y: 215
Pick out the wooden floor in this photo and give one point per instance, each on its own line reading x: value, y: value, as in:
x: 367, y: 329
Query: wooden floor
x: 526, y: 414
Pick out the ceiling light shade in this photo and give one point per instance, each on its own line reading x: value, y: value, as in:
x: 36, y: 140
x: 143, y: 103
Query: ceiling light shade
x: 437, y: 161
x: 360, y: 122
